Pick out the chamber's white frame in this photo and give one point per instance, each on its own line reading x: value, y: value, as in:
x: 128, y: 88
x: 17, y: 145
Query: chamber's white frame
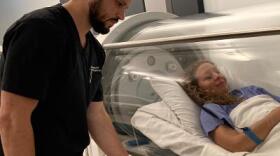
x: 114, y: 36
x: 259, y: 20
x: 129, y: 23
x: 222, y: 5
x: 113, y: 40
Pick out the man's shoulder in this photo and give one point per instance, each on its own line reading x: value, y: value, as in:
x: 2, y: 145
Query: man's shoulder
x: 31, y: 27
x: 46, y: 13
x: 48, y: 17
x: 45, y: 21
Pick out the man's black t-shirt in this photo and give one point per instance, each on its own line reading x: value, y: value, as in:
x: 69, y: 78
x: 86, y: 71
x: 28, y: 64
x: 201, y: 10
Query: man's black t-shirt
x: 43, y: 59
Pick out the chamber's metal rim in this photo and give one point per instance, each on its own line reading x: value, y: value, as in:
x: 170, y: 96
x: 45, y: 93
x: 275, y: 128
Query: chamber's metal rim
x: 195, y: 38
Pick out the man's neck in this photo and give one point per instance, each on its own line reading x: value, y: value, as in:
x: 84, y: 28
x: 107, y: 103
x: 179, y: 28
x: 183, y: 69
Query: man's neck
x: 79, y: 11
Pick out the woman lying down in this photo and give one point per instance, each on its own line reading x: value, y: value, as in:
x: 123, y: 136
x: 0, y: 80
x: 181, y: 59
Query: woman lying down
x: 240, y: 120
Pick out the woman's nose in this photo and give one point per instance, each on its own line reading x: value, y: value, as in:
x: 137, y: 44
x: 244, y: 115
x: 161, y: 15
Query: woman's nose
x: 217, y: 76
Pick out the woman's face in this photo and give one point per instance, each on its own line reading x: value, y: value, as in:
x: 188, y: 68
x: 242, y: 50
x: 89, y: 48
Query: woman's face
x: 210, y: 79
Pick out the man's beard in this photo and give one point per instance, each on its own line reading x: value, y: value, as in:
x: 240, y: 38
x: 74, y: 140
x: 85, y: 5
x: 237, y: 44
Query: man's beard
x: 96, y: 23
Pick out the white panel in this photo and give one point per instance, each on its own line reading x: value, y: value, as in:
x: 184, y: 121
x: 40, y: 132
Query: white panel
x: 158, y: 5
x: 11, y: 10
x: 220, y: 5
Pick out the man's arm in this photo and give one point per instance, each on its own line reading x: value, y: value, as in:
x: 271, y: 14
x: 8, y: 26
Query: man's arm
x: 102, y: 130
x: 235, y: 141
x: 15, y: 124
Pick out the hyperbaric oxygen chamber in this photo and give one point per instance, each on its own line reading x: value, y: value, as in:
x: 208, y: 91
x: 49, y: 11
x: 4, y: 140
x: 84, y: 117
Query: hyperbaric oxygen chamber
x: 243, y: 43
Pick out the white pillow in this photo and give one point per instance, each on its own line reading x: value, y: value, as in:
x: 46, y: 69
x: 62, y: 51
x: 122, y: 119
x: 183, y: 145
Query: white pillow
x: 184, y: 108
x: 174, y: 122
x: 160, y: 125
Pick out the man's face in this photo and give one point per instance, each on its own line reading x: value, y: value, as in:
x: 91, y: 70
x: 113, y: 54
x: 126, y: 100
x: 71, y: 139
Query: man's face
x: 105, y: 13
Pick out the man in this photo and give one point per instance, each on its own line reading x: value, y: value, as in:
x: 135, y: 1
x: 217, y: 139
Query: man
x: 51, y: 71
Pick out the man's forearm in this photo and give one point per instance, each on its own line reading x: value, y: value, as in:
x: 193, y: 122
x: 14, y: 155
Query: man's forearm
x: 104, y: 134
x: 17, y: 140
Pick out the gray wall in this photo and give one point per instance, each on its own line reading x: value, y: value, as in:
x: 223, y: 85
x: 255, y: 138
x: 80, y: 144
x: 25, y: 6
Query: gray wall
x: 185, y: 7
x: 136, y: 7
x: 11, y: 10
x: 179, y: 7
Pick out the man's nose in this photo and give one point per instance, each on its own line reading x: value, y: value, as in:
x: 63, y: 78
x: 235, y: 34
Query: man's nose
x: 121, y: 14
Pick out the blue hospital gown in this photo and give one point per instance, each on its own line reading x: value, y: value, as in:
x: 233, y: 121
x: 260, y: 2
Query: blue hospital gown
x: 209, y: 122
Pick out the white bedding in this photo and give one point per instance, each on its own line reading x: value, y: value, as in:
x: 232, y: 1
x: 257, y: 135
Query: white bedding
x: 252, y: 110
x: 161, y: 125
x: 247, y: 113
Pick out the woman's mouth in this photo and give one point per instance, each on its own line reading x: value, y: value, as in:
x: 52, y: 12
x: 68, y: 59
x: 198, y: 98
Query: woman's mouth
x: 220, y: 83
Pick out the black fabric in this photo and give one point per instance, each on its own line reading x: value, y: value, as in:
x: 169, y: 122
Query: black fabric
x: 43, y: 59
x: 1, y: 150
x: 200, y: 4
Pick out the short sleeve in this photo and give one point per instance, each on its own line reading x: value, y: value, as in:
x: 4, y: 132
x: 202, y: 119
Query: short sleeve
x: 30, y: 58
x: 98, y: 57
x: 209, y: 122
x: 264, y: 91
x: 99, y: 94
x: 2, y: 61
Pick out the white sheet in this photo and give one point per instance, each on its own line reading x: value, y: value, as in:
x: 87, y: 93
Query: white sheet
x: 252, y: 110
x: 215, y: 150
x: 161, y: 125
x: 245, y: 114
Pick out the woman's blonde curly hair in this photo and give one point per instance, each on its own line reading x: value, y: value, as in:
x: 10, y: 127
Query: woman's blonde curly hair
x: 198, y: 95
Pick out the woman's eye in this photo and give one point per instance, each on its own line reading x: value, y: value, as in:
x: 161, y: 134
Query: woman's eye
x: 208, y: 78
x: 217, y: 71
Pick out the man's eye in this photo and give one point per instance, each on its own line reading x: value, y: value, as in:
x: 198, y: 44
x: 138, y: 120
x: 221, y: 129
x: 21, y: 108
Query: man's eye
x: 120, y: 3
